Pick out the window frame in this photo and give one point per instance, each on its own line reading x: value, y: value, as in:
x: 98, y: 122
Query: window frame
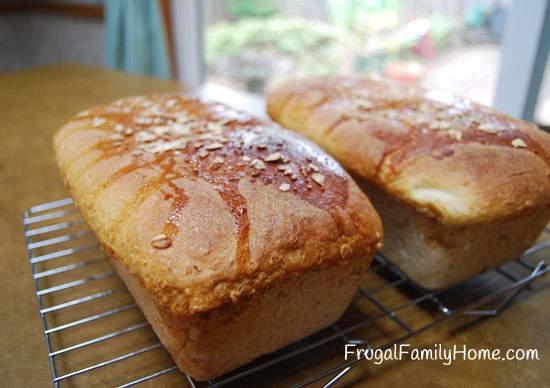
x: 523, y: 58
x: 188, y: 38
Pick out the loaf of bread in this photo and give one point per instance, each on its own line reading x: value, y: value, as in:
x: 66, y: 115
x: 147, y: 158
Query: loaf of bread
x: 235, y: 236
x: 460, y: 187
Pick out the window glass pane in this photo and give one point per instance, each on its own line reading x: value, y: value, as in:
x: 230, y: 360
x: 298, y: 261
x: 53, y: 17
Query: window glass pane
x: 542, y: 110
x: 453, y: 45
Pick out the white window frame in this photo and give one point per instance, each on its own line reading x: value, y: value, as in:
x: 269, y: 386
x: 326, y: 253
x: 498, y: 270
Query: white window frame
x: 523, y: 57
x: 188, y: 31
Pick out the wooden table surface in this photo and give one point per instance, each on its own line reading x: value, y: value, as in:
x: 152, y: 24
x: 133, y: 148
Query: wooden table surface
x: 33, y: 104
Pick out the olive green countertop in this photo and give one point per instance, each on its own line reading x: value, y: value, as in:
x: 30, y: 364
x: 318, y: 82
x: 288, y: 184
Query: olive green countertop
x: 33, y: 104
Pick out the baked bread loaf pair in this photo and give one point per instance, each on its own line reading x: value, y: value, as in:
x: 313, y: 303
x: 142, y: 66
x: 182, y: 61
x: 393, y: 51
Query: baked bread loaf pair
x: 235, y: 237
x: 460, y: 187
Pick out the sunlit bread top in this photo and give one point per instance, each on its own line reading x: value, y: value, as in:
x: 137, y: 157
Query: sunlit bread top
x: 448, y: 157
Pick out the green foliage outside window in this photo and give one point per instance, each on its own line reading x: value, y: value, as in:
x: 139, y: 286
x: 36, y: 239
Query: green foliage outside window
x: 294, y: 37
x: 251, y: 8
x: 262, y: 41
x: 351, y: 14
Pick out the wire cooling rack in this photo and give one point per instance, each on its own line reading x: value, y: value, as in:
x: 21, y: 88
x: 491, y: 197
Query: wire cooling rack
x: 96, y: 335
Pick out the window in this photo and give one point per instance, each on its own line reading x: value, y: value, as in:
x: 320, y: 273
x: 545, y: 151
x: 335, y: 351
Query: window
x: 542, y: 110
x: 453, y: 45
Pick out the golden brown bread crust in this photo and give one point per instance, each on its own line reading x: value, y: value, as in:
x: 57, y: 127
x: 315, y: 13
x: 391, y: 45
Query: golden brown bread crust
x: 209, y: 344
x: 205, y: 205
x: 450, y: 158
x: 436, y: 255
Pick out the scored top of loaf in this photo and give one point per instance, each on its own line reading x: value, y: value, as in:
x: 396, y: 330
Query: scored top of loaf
x: 205, y: 204
x: 448, y: 157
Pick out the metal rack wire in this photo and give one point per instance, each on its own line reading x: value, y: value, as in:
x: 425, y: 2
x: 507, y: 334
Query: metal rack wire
x: 91, y: 324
